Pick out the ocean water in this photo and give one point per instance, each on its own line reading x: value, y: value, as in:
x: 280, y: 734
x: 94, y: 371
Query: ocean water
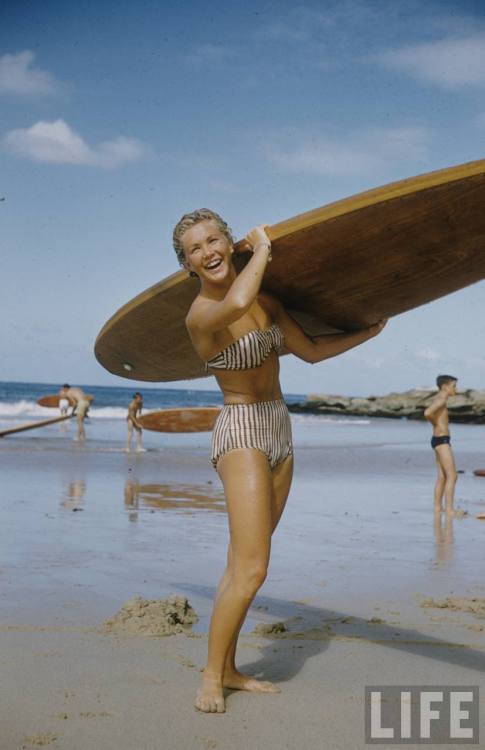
x: 106, y: 425
x: 18, y: 401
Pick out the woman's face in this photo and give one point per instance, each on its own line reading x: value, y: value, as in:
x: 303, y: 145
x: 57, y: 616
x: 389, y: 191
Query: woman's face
x: 207, y: 251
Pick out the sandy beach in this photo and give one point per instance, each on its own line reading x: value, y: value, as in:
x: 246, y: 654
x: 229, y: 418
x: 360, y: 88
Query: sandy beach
x: 356, y: 559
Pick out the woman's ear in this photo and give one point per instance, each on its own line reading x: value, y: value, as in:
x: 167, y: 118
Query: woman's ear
x: 186, y: 267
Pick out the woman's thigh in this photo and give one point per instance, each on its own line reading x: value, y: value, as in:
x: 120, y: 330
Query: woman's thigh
x: 248, y: 488
x: 281, y: 482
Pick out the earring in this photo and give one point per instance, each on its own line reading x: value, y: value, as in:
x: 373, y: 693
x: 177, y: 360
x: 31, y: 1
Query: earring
x: 193, y: 274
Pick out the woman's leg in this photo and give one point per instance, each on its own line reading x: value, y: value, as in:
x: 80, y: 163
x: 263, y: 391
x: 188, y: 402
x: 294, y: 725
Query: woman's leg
x: 281, y: 477
x: 247, y: 480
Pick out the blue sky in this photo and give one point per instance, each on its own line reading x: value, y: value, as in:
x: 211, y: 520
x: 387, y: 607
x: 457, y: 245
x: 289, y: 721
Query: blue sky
x: 118, y: 117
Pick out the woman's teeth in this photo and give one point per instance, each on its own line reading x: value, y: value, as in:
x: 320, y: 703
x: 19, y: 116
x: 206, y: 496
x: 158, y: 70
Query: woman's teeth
x: 213, y: 264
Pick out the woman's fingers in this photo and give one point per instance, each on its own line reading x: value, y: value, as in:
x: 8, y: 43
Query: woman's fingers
x: 257, y: 236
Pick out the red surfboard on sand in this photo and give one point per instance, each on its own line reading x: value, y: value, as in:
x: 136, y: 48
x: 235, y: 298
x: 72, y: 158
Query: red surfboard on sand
x: 194, y: 419
x: 51, y: 401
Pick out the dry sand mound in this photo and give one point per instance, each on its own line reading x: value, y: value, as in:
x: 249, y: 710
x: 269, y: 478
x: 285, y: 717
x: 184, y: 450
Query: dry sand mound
x: 156, y: 617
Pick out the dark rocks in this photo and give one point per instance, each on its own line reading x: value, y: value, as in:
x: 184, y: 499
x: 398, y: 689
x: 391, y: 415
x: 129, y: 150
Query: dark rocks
x: 467, y: 407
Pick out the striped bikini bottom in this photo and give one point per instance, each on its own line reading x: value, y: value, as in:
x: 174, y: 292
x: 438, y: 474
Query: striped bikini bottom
x: 264, y: 425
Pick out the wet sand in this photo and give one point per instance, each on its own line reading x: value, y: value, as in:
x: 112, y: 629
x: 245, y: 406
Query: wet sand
x: 355, y: 559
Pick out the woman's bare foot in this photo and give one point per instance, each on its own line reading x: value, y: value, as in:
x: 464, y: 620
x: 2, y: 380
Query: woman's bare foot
x: 210, y: 696
x: 235, y: 680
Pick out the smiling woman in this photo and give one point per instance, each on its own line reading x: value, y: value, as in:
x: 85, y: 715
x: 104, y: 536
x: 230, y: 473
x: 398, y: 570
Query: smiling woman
x: 238, y: 332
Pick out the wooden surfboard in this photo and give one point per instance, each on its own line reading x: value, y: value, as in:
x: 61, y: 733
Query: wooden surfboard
x: 340, y: 267
x: 51, y: 401
x: 479, y: 472
x: 196, y: 419
x: 34, y: 425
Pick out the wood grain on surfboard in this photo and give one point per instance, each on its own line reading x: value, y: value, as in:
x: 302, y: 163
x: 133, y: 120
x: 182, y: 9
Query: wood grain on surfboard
x: 34, y: 425
x: 196, y: 419
x: 339, y: 267
x: 51, y: 401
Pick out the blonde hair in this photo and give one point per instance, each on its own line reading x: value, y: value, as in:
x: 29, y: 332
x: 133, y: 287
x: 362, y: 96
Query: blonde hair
x: 189, y: 220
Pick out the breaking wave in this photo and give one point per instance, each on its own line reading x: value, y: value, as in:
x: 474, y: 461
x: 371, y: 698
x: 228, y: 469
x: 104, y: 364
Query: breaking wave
x: 23, y: 409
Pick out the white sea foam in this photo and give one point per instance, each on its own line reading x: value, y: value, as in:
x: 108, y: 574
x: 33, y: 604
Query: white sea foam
x: 23, y: 409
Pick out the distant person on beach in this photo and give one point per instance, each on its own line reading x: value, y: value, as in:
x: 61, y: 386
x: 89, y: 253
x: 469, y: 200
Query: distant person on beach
x: 80, y: 403
x: 437, y: 415
x: 134, y: 411
x: 238, y: 332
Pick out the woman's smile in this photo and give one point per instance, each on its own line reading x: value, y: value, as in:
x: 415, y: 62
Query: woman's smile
x: 207, y: 250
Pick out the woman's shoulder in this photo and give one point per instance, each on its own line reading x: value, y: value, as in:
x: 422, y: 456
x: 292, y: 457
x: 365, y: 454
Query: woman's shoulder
x: 195, y: 313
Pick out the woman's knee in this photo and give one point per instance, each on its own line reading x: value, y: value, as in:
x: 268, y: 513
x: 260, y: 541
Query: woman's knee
x: 250, y: 577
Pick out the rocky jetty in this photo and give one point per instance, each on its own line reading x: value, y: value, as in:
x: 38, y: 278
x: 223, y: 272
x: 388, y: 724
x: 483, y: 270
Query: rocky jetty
x: 467, y: 407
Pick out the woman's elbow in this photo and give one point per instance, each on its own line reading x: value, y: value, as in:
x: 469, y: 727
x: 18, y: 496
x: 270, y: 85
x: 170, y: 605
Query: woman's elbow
x: 309, y: 356
x: 240, y: 303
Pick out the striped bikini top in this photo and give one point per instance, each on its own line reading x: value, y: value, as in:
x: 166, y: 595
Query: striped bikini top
x: 249, y: 351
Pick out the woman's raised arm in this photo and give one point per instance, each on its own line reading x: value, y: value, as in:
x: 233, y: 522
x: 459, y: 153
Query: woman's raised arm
x: 314, y: 349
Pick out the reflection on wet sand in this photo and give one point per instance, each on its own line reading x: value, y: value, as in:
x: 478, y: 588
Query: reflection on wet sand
x: 443, y: 534
x: 74, y: 494
x: 184, y: 497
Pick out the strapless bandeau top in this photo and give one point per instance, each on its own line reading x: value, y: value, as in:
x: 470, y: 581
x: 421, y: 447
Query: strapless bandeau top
x: 249, y: 351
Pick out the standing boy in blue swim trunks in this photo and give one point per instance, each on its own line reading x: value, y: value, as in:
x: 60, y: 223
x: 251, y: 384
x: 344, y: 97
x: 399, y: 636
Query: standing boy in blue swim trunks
x: 437, y: 415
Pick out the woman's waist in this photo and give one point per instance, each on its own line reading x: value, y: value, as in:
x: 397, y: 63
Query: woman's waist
x: 263, y: 405
x: 261, y: 397
x: 248, y: 391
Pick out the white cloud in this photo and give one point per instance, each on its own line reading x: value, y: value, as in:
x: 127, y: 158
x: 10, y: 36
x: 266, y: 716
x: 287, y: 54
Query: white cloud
x: 451, y: 63
x: 17, y: 76
x: 372, y: 150
x: 56, y: 143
